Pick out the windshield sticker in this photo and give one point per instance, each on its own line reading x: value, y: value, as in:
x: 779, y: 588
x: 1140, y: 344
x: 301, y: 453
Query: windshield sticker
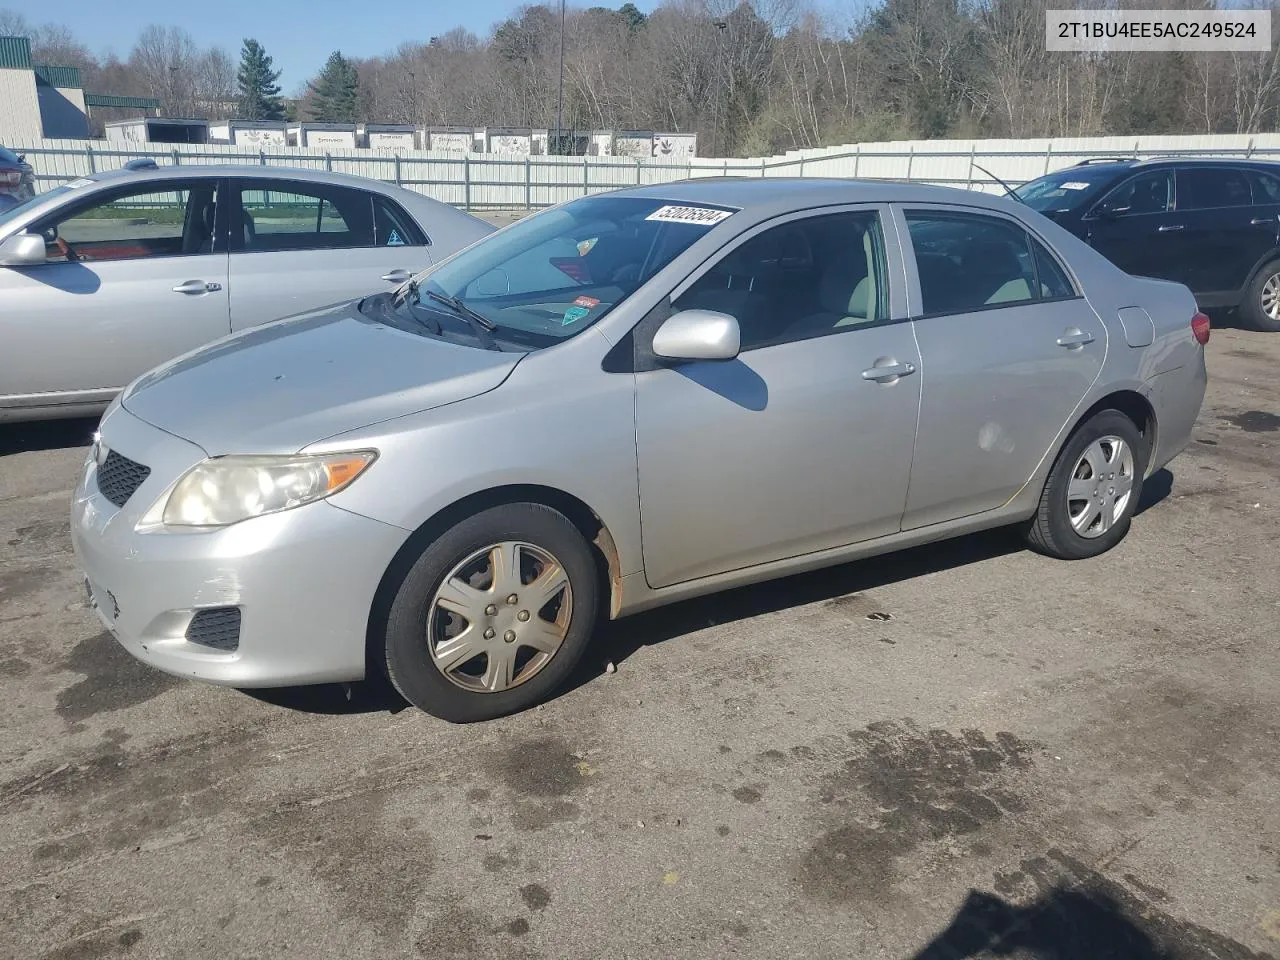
x: 703, y: 216
x: 1074, y: 185
x: 584, y: 246
x: 394, y: 240
x: 82, y: 182
x: 573, y: 315
x: 588, y: 302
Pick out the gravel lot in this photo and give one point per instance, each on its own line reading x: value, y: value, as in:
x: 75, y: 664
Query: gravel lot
x: 1030, y: 758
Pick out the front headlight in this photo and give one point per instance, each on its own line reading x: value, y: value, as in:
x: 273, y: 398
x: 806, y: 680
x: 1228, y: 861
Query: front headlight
x: 226, y: 490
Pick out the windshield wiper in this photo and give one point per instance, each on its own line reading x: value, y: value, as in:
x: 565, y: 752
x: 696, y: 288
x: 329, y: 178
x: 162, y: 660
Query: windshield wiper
x: 480, y: 325
x: 410, y: 296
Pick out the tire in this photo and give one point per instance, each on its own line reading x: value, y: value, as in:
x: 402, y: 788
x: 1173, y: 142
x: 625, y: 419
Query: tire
x: 422, y: 635
x: 1103, y: 523
x: 1252, y: 311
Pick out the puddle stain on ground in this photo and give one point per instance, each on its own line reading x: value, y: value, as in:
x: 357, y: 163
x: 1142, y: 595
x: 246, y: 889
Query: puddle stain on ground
x: 903, y: 787
x: 112, y: 680
x: 539, y: 774
x: 1255, y: 421
x: 43, y: 532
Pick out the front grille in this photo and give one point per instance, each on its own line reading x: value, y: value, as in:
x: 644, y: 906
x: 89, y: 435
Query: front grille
x: 217, y: 627
x: 119, y: 477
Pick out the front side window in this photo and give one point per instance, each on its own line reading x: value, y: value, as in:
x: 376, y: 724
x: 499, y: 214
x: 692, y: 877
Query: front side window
x: 802, y: 279
x: 295, y: 216
x: 970, y: 262
x: 1206, y: 188
x: 552, y: 275
x: 1147, y: 193
x: 139, y: 224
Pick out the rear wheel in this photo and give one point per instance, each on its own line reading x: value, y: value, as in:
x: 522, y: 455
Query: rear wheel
x: 1092, y: 491
x: 494, y: 614
x: 1261, y: 307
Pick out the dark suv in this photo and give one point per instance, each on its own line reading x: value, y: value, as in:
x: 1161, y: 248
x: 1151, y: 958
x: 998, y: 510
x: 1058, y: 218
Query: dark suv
x: 17, y: 182
x: 1213, y: 225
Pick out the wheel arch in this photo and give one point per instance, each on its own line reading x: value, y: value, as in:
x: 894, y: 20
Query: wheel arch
x: 1272, y: 257
x: 1134, y: 406
x: 582, y: 516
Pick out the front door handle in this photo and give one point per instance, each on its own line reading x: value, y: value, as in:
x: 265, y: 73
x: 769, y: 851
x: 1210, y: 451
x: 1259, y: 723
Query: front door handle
x: 1168, y: 227
x: 397, y: 276
x: 888, y: 371
x: 197, y: 286
x: 1074, y: 339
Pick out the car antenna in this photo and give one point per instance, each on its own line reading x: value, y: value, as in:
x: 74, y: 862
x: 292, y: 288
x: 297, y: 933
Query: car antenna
x: 1007, y: 189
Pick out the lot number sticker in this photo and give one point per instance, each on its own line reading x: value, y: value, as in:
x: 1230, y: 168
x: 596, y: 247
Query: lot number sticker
x: 703, y: 216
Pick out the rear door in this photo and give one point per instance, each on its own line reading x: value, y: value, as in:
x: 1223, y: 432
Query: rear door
x: 1220, y: 242
x: 1132, y: 226
x: 135, y: 276
x: 299, y: 245
x: 1008, y: 349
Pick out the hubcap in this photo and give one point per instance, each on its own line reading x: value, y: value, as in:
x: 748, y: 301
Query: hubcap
x: 1100, y: 487
x: 499, y: 617
x: 1271, y: 297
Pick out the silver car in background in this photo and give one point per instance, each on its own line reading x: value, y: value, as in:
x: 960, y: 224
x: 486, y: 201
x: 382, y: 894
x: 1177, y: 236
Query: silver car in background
x: 105, y: 277
x: 621, y: 402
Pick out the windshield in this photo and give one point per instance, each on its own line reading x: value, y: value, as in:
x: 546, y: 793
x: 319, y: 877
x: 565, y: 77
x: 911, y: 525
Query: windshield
x: 552, y: 275
x: 13, y: 213
x: 1066, y: 190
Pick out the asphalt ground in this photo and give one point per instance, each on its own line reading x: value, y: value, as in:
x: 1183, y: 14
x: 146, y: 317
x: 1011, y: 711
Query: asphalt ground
x: 964, y: 750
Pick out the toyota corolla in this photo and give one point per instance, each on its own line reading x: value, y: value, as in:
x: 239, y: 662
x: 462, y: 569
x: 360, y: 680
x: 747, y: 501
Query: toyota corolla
x: 621, y: 402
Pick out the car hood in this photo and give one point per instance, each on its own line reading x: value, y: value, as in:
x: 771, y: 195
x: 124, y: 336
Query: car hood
x: 282, y: 386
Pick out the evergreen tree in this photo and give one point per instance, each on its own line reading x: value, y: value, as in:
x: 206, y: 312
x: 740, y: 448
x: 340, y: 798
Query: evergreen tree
x: 259, y: 94
x: 334, y: 91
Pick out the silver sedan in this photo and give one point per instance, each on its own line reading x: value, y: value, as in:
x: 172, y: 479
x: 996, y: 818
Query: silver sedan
x: 105, y: 277
x: 618, y: 403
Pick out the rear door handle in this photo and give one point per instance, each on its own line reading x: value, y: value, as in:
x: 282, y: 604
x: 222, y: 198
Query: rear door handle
x: 396, y: 276
x: 1074, y: 338
x: 1168, y: 227
x: 1263, y: 222
x: 197, y: 286
x: 889, y: 371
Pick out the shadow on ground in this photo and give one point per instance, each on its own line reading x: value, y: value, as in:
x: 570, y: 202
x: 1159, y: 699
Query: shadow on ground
x: 617, y: 640
x: 46, y: 435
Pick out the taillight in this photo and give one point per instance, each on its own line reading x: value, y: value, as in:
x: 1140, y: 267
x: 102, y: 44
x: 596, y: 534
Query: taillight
x: 11, y: 178
x: 1200, y: 327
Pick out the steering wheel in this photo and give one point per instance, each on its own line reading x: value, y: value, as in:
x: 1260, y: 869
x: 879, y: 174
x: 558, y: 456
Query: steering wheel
x: 64, y: 248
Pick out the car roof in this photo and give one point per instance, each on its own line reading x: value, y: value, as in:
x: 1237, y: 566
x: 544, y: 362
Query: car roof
x: 1131, y: 163
x: 773, y: 195
x: 250, y: 170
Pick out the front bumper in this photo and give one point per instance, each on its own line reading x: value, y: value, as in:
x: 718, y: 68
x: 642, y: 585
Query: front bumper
x: 303, y: 579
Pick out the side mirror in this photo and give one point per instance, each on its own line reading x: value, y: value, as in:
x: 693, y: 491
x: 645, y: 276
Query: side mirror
x: 22, y: 250
x: 698, y: 335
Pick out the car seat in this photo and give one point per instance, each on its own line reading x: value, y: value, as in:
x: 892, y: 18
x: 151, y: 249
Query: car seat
x: 847, y: 293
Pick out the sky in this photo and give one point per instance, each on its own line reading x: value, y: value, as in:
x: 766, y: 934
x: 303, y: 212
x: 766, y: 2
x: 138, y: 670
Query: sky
x: 298, y: 34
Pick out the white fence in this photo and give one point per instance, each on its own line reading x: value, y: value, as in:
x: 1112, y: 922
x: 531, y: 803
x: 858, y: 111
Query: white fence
x: 487, y: 181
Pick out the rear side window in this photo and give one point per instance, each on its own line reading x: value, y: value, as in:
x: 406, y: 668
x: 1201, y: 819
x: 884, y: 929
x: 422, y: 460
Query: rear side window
x: 1266, y: 188
x: 1053, y: 281
x: 1206, y: 188
x: 970, y: 262
x: 277, y: 216
x: 392, y: 227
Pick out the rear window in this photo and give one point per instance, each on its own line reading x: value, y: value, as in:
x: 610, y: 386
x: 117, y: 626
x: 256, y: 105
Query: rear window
x: 1066, y: 190
x: 1205, y: 188
x: 8, y: 156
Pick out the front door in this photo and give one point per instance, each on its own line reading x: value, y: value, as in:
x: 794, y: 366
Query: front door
x: 300, y: 245
x: 1008, y: 349
x: 134, y: 277
x: 801, y: 443
x: 1133, y: 226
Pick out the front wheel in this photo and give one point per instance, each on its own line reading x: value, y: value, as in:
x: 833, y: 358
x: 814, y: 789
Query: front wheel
x: 1092, y: 491
x: 494, y: 615
x: 1261, y: 307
